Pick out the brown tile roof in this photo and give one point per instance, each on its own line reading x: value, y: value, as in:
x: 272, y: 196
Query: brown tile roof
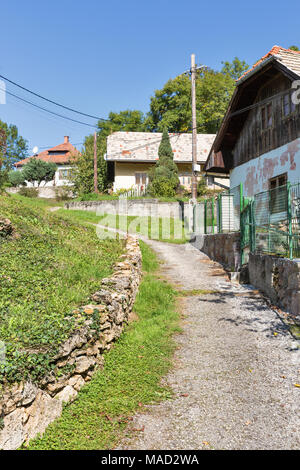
x: 289, y: 58
x: 58, y: 159
x: 143, y: 146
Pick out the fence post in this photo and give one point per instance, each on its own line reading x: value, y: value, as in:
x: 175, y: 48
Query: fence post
x: 220, y: 213
x: 205, y: 216
x: 241, y: 197
x: 213, y: 214
x: 289, y: 214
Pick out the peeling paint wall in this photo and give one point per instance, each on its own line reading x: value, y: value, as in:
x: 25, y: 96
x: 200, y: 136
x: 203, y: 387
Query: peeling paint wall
x: 255, y: 174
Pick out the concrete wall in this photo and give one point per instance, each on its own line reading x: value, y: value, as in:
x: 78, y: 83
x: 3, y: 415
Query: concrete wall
x: 137, y: 207
x: 48, y: 192
x: 221, y: 247
x: 279, y: 279
x: 256, y: 173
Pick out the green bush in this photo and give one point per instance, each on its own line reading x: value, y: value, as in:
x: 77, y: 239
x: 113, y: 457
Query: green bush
x: 63, y: 193
x: 16, y: 178
x: 29, y: 192
x: 162, y: 187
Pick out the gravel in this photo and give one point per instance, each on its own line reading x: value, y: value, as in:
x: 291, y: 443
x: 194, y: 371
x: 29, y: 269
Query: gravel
x: 234, y: 371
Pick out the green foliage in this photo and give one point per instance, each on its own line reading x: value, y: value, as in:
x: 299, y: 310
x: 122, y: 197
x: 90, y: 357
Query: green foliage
x: 16, y: 178
x: 170, y: 107
x: 38, y: 171
x: 235, y: 68
x: 132, y: 373
x: 53, y: 267
x: 164, y: 176
x: 12, y: 148
x: 28, y: 192
x: 294, y: 48
x: 202, y: 186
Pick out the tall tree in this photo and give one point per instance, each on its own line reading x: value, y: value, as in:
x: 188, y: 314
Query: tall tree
x: 234, y: 69
x: 13, y: 147
x: 83, y: 176
x: 164, y: 176
x: 171, y: 106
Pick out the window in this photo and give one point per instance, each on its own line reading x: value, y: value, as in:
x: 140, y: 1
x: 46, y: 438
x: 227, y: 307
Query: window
x: 65, y: 174
x: 266, y: 116
x: 185, y: 179
x: 278, y: 194
x: 288, y: 107
x: 141, y: 179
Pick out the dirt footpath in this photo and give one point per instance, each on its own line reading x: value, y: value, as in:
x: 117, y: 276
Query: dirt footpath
x: 234, y: 372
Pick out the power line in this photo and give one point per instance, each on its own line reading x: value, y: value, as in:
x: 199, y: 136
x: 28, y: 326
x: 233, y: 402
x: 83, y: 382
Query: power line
x: 53, y: 102
x: 48, y: 110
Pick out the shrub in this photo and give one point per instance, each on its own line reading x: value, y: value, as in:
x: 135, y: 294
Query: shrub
x: 29, y: 192
x: 16, y: 178
x: 162, y: 187
x: 63, y: 193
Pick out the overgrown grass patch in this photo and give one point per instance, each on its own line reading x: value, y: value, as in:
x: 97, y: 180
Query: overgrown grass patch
x: 131, y: 377
x: 53, y: 267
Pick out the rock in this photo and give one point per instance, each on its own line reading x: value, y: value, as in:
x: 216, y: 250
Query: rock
x: 75, y: 342
x: 41, y: 413
x: 83, y: 364
x: 76, y: 382
x: 13, y: 434
x: 29, y: 393
x: 67, y: 394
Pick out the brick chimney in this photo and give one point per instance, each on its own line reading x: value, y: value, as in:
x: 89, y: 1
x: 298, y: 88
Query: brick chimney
x: 66, y: 139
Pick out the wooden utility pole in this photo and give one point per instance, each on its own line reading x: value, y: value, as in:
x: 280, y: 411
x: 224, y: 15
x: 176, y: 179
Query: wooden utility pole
x: 194, y: 128
x: 95, y: 164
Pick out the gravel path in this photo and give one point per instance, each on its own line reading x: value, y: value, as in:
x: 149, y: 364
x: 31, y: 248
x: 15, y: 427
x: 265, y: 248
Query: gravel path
x: 233, y: 378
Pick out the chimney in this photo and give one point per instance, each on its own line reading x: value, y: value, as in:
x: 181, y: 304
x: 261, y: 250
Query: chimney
x: 66, y: 139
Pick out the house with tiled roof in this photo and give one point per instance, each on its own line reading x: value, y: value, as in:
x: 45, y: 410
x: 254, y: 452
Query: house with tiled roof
x: 133, y: 154
x: 258, y: 143
x: 62, y: 156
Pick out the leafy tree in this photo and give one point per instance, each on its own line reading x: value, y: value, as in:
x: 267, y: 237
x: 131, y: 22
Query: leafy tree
x: 16, y: 178
x: 83, y: 171
x: 164, y: 176
x: 12, y: 148
x: 84, y: 164
x: 294, y: 48
x: 37, y: 171
x: 234, y: 69
x: 171, y: 106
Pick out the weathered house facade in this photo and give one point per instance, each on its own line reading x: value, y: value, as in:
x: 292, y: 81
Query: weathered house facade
x: 258, y: 143
x: 133, y: 154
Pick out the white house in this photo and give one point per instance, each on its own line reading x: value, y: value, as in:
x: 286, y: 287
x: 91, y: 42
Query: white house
x: 61, y: 155
x: 132, y: 154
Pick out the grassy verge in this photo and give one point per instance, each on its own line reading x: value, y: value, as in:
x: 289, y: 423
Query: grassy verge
x: 131, y: 376
x: 54, y: 266
x: 165, y: 229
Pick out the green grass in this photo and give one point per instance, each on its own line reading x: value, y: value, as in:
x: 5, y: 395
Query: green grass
x: 165, y: 229
x: 98, y: 418
x: 53, y: 267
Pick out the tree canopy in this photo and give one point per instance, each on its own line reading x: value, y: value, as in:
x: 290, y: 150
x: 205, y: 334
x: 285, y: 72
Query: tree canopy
x: 12, y: 149
x: 38, y: 171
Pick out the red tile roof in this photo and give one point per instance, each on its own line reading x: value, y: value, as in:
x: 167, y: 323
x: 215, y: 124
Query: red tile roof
x: 58, y: 159
x: 288, y: 57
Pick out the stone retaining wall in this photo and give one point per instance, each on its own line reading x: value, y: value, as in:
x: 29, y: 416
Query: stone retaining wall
x: 279, y: 279
x: 26, y: 409
x: 221, y: 247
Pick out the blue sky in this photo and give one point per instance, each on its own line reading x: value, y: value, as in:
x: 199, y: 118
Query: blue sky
x: 107, y: 56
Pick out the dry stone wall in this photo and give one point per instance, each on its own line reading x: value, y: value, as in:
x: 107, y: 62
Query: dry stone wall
x: 26, y: 409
